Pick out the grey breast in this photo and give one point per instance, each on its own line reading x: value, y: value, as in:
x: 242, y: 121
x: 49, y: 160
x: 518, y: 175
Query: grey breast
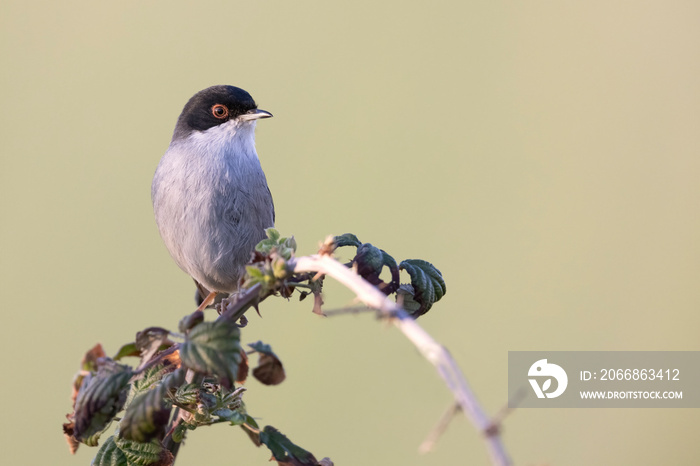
x: 211, y: 212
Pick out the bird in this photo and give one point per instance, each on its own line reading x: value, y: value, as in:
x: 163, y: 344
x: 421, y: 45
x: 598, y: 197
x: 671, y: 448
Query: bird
x: 210, y: 196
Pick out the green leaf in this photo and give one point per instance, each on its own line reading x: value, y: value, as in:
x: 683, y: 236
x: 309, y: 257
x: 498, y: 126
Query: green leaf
x: 406, y: 292
x: 370, y: 261
x: 283, y: 450
x: 142, y: 454
x: 272, y: 234
x: 280, y: 268
x: 213, y: 348
x: 192, y: 320
x: 187, y: 394
x: 230, y: 399
x: 100, y: 398
x: 109, y: 454
x: 261, y: 347
x: 128, y: 349
x: 234, y: 416
x: 290, y: 243
x: 237, y: 418
x: 390, y: 262
x: 146, y: 416
x: 254, y: 432
x: 428, y: 284
x: 180, y: 431
x: 255, y: 276
x: 174, y: 379
x: 285, y: 247
x: 209, y: 400
x: 151, y: 340
x: 93, y: 440
x: 150, y: 378
x: 348, y: 239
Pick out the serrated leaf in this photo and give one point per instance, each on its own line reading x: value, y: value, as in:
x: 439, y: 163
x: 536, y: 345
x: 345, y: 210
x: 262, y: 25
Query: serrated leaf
x: 213, y: 348
x: 427, y: 282
x: 143, y: 453
x: 146, y: 416
x: 109, y: 454
x: 283, y: 450
x: 150, y: 377
x: 431, y: 271
x: 347, y: 239
x: 187, y: 394
x: 370, y: 261
x: 100, y: 398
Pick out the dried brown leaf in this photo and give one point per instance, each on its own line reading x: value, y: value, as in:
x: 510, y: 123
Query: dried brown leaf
x: 270, y: 370
x: 242, y: 368
x: 73, y: 444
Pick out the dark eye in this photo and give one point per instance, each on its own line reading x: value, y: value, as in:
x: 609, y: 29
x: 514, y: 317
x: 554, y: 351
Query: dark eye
x: 219, y: 111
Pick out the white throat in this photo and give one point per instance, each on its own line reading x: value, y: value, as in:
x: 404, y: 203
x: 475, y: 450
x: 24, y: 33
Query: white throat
x: 234, y: 138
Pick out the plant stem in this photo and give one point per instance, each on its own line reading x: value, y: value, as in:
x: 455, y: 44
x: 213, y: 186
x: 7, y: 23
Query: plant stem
x: 434, y: 352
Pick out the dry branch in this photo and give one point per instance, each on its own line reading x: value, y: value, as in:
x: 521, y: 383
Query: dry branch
x: 434, y: 352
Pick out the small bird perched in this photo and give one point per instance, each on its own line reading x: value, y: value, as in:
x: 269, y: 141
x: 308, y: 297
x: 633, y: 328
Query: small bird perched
x: 210, y: 196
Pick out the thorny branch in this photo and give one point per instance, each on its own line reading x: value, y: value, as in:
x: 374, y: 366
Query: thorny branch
x: 213, y: 348
x: 435, y: 353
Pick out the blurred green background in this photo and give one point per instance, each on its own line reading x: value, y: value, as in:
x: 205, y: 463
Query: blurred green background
x: 544, y: 155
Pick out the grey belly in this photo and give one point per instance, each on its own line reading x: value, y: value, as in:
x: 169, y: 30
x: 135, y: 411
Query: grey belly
x: 225, y: 239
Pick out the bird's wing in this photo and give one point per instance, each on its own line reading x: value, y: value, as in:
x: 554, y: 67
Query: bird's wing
x: 272, y: 202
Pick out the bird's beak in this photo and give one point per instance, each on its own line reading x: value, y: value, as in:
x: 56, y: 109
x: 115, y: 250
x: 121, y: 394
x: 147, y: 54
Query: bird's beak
x: 255, y: 115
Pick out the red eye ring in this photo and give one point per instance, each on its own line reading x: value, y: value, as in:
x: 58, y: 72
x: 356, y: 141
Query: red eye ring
x: 219, y: 111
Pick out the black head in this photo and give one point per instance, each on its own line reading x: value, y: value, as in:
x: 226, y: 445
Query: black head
x: 211, y: 107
